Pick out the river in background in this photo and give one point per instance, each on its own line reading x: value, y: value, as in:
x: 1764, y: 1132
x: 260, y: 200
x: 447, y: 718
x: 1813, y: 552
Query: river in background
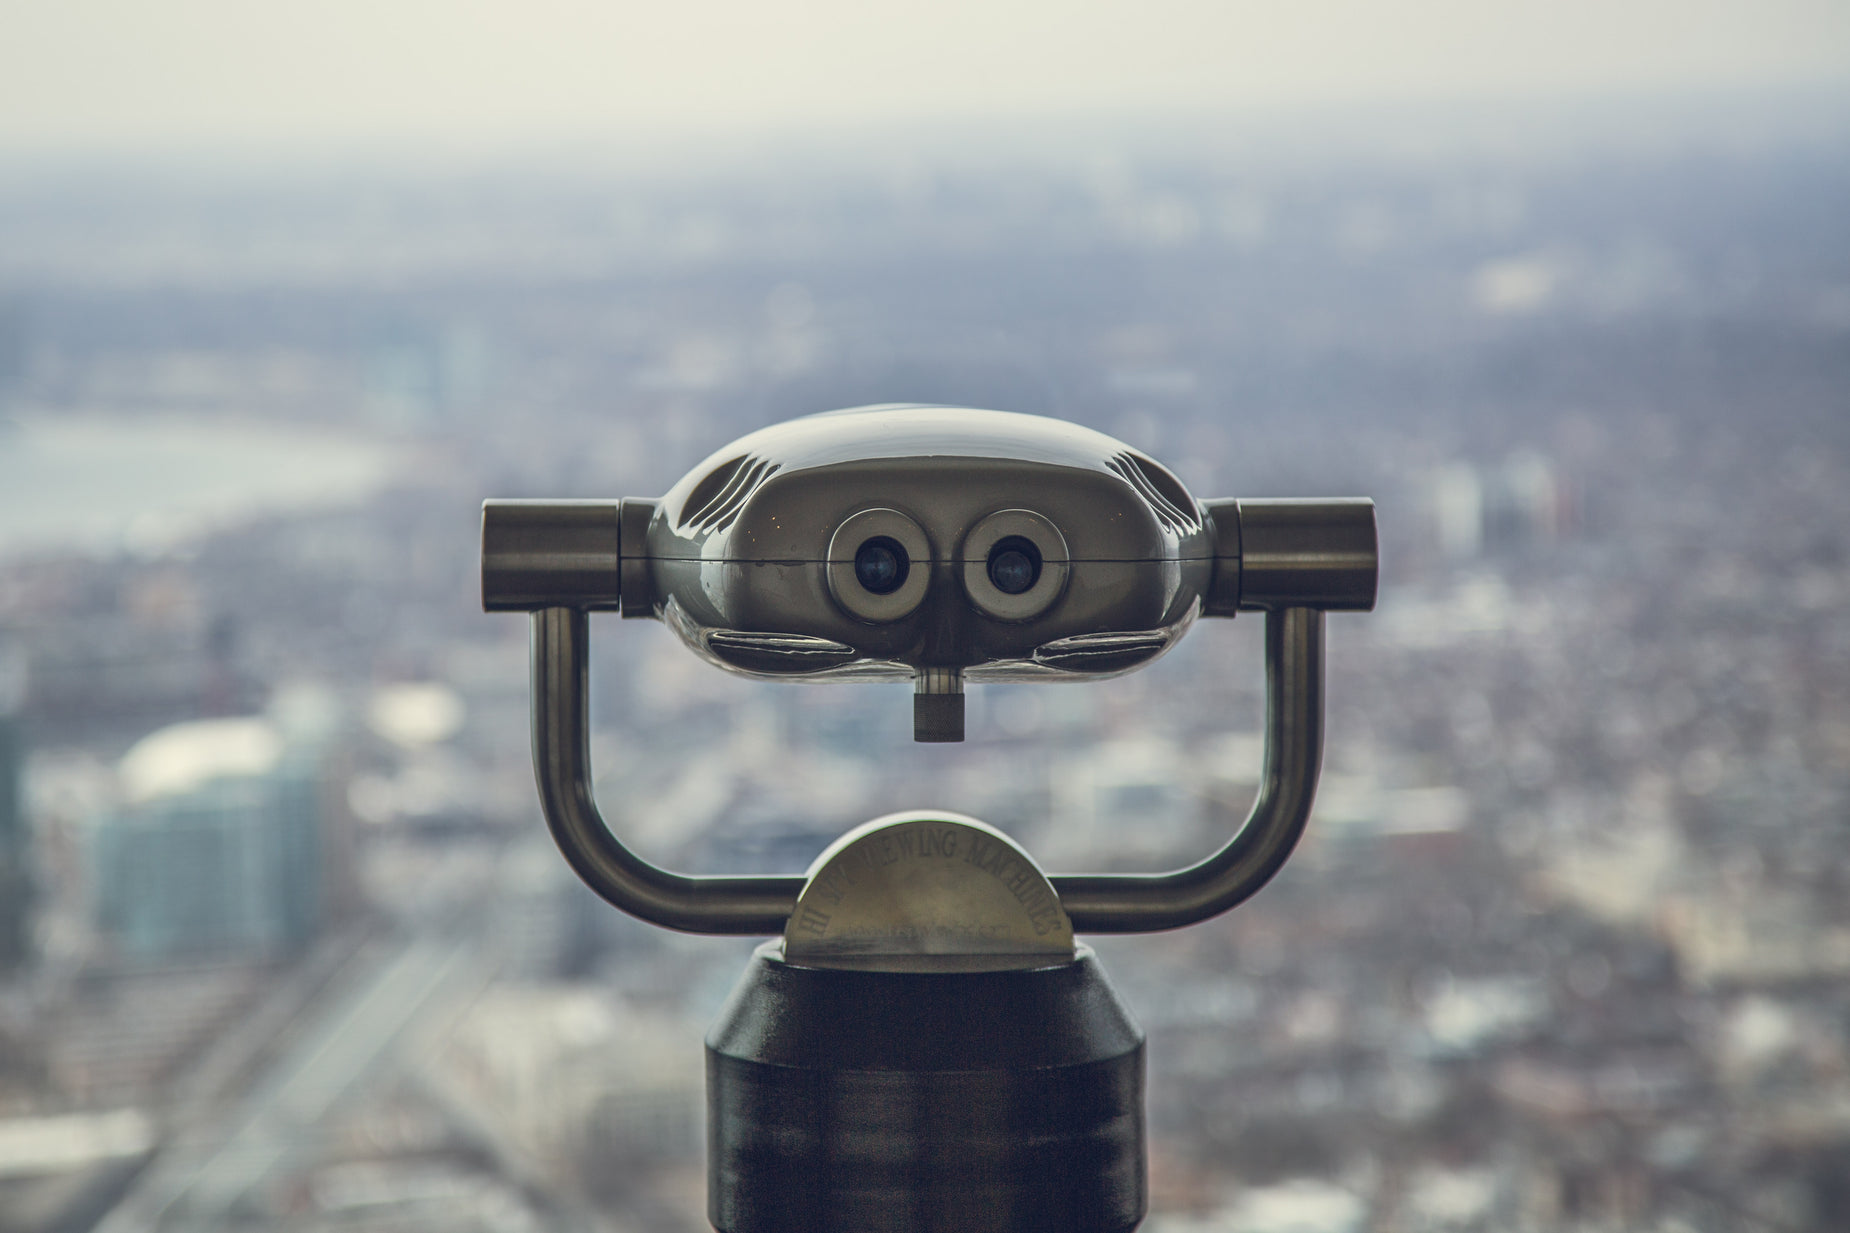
x: 103, y: 485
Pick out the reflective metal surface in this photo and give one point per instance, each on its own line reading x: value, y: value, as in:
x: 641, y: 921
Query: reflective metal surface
x: 1098, y: 560
x: 1037, y: 543
x: 934, y: 891
x: 1308, y: 553
x: 927, y: 1049
x: 900, y: 538
x: 1144, y: 903
x: 562, y: 764
x: 1016, y: 531
x: 1094, y: 903
x: 928, y: 544
x: 536, y: 554
x: 938, y: 705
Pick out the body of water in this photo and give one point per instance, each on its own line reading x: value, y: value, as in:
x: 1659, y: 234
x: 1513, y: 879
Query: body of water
x: 103, y: 485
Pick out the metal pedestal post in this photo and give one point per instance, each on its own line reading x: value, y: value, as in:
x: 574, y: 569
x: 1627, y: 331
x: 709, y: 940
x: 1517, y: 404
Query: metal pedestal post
x: 924, y: 1101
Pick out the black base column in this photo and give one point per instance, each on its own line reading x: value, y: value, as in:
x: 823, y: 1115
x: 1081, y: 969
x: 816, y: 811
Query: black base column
x: 924, y: 1102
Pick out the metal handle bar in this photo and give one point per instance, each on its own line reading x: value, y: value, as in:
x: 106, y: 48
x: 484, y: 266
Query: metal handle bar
x: 562, y: 764
x: 1148, y: 902
x: 1097, y: 903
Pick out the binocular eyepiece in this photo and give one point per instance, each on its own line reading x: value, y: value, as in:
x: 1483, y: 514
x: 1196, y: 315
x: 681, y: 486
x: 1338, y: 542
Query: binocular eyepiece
x: 930, y: 544
x: 928, y: 1048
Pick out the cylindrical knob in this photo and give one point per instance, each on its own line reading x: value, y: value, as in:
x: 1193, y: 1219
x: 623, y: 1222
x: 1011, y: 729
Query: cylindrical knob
x: 938, y: 705
x: 549, y: 554
x: 1294, y: 554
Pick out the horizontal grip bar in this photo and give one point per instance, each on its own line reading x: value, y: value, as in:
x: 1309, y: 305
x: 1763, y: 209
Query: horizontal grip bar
x: 593, y: 555
x: 538, y: 554
x: 1318, y: 553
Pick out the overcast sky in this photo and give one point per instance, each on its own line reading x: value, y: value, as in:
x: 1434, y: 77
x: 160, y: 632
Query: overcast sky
x: 81, y: 76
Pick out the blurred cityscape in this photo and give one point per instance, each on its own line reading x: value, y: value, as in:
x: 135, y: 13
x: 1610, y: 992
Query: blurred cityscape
x: 285, y: 945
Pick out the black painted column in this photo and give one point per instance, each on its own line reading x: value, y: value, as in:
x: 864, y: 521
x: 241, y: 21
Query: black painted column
x: 924, y: 1102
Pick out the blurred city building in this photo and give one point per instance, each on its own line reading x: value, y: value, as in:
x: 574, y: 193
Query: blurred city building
x: 16, y: 837
x: 588, y: 1084
x: 1519, y: 504
x: 1566, y: 948
x: 218, y: 847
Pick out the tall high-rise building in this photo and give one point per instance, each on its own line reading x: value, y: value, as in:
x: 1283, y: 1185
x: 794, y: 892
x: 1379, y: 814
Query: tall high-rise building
x: 1520, y: 504
x: 16, y: 898
x: 217, y: 848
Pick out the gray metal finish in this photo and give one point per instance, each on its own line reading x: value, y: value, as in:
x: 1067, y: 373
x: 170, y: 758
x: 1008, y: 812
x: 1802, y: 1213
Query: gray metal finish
x: 1307, y: 553
x: 751, y: 559
x: 536, y: 554
x: 927, y: 891
x: 1266, y: 554
x: 1095, y: 903
x: 750, y: 543
x: 1145, y: 903
x: 562, y: 764
x: 938, y: 705
x: 928, y: 1049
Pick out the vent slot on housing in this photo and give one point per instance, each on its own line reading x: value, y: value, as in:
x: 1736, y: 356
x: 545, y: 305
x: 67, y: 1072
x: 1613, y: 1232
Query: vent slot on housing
x: 716, y: 500
x: 1175, y: 509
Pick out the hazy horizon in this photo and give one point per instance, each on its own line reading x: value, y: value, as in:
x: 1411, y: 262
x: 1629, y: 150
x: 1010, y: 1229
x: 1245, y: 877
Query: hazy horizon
x: 1309, y: 132
x: 102, y: 80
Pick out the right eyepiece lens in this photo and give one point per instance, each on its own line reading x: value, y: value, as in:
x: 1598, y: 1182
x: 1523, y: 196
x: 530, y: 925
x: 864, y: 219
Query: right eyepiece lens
x: 1014, y: 565
x: 881, y: 565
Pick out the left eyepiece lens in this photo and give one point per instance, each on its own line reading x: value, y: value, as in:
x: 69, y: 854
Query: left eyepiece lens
x: 881, y: 565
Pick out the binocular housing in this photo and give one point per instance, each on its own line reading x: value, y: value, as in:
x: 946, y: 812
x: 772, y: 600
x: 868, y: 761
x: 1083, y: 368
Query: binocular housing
x: 930, y: 544
x: 928, y: 1048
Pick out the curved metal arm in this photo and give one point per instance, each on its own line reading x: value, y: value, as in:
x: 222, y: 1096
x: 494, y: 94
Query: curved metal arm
x: 562, y: 764
x: 1146, y: 903
x: 1097, y: 903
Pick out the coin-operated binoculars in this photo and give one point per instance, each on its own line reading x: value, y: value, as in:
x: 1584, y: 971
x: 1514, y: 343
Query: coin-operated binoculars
x: 925, y: 1046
